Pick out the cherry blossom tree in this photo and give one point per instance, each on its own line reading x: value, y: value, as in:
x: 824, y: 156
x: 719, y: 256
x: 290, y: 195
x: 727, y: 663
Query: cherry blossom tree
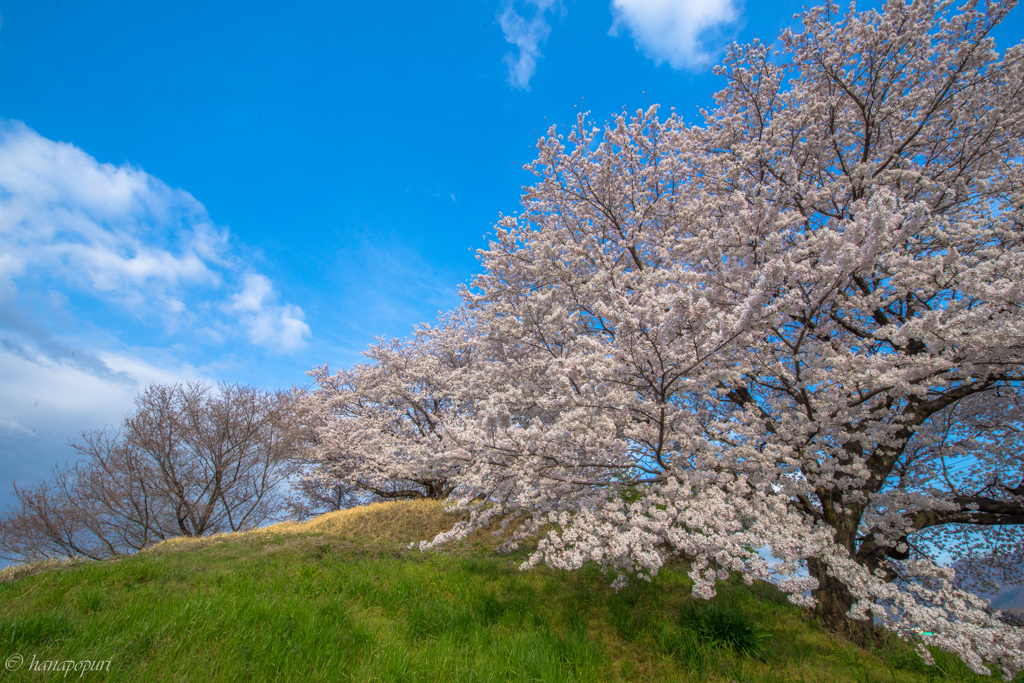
x: 315, y: 492
x: 380, y: 426
x: 797, y: 326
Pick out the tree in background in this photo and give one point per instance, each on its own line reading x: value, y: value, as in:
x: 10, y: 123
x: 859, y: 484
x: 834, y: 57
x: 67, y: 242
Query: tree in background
x: 316, y: 492
x: 797, y: 326
x: 190, y: 460
x: 381, y: 427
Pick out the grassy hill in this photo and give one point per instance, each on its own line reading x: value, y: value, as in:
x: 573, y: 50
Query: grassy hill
x: 343, y: 598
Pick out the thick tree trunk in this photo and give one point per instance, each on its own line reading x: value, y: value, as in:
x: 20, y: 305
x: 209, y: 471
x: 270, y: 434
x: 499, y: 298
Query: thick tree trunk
x: 834, y: 601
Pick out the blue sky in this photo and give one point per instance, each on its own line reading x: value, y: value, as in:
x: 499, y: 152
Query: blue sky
x: 240, y: 191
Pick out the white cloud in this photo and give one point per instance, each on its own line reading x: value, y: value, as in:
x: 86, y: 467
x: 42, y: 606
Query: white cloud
x: 269, y: 324
x: 527, y: 35
x: 112, y: 227
x: 36, y: 390
x: 45, y: 403
x: 673, y: 30
x: 142, y: 373
x: 124, y: 238
x: 10, y: 427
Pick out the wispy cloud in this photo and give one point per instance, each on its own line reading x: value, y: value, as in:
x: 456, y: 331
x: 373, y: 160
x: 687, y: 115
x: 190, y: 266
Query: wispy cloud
x: 121, y: 237
x: 674, y: 31
x: 22, y: 334
x: 270, y: 324
x: 47, y: 402
x: 15, y: 429
x: 389, y: 282
x: 527, y: 35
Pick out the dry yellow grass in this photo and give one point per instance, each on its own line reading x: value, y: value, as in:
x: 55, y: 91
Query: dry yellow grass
x: 17, y: 571
x: 390, y: 523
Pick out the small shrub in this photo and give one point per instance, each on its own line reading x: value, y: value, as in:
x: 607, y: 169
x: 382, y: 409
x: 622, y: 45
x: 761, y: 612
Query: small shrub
x: 725, y: 626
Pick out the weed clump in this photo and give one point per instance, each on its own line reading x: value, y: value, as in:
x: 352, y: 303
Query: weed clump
x: 725, y: 626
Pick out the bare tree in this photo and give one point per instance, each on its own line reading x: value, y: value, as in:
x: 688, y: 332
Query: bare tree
x: 190, y: 460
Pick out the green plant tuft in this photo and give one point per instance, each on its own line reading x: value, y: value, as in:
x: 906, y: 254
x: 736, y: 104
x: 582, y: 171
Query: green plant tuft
x: 725, y: 626
x: 92, y: 599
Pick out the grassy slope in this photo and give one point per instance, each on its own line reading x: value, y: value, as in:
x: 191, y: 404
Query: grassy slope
x: 342, y: 598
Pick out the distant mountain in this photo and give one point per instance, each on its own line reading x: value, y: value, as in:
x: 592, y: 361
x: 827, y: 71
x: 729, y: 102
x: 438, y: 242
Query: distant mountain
x: 1010, y: 598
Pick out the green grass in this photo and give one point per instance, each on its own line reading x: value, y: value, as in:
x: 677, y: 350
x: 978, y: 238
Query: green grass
x: 348, y: 601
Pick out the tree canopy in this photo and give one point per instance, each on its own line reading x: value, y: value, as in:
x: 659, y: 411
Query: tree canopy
x: 796, y: 326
